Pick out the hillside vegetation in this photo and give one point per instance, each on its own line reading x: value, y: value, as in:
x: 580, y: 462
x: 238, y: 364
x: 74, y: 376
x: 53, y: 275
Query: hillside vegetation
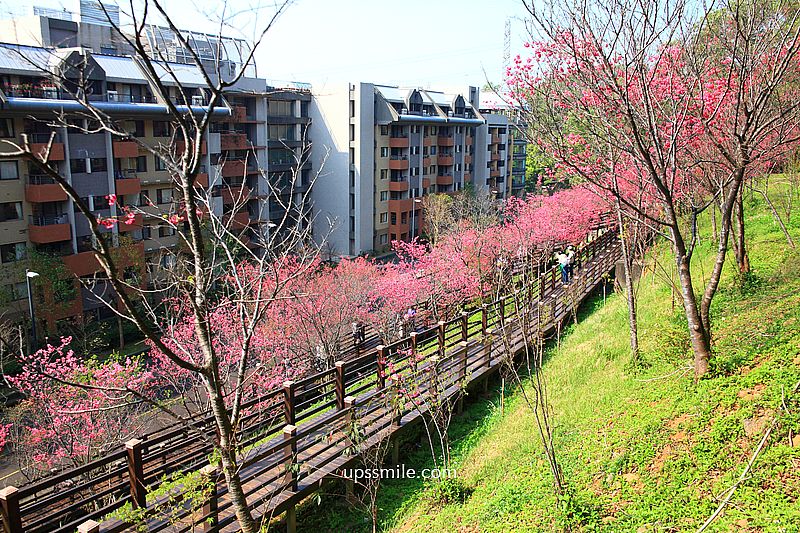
x: 644, y: 449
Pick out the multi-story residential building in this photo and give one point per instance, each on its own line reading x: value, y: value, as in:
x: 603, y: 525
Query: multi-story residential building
x: 380, y: 150
x: 506, y: 145
x: 256, y: 141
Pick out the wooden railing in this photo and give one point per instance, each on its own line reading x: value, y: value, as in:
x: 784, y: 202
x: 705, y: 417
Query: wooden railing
x: 301, y: 423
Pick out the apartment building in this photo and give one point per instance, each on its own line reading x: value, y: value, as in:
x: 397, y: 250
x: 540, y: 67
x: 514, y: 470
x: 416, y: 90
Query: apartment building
x: 380, y: 149
x: 506, y: 145
x: 256, y: 142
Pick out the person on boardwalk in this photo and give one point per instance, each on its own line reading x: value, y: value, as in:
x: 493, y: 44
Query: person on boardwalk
x: 570, y: 263
x: 563, y: 266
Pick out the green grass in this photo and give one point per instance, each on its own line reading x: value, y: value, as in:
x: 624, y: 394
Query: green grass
x: 643, y: 449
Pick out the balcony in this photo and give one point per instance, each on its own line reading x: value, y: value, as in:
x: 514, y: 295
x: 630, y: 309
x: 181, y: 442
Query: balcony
x: 496, y: 138
x: 426, y: 161
x: 127, y: 182
x: 446, y: 179
x: 399, y: 206
x: 234, y: 168
x: 428, y: 141
x: 233, y: 141
x: 39, y: 142
x: 85, y: 263
x: 446, y: 140
x: 201, y: 180
x: 494, y: 174
x: 180, y: 146
x: 125, y: 149
x: 426, y: 182
x: 398, y: 142
x: 445, y: 160
x: 238, y: 220
x: 137, y: 224
x: 239, y: 113
x: 467, y: 159
x: 467, y: 177
x: 398, y: 185
x: 496, y: 156
x: 43, y: 189
x: 233, y: 193
x: 398, y: 162
x: 44, y: 229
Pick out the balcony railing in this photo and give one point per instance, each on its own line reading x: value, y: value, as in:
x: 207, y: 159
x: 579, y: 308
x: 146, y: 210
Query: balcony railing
x: 48, y: 220
x: 55, y: 93
x: 398, y: 157
x: 42, y: 137
x: 125, y: 174
x: 398, y: 136
x: 40, y: 179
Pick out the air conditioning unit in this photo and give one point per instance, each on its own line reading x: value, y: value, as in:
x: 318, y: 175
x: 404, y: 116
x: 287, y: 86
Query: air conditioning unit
x: 113, y: 96
x: 198, y: 100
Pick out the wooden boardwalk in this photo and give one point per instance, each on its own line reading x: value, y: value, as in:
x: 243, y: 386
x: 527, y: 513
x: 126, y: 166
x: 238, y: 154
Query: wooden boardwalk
x: 297, y: 437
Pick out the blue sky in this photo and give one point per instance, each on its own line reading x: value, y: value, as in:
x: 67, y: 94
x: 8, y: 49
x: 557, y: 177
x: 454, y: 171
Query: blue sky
x: 408, y: 42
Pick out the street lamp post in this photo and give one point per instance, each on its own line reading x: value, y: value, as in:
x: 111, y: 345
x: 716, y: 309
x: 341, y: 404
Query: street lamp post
x: 29, y: 275
x: 413, y: 217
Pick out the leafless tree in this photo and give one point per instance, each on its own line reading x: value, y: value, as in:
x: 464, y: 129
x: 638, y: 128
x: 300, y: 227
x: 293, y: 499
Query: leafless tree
x: 213, y: 248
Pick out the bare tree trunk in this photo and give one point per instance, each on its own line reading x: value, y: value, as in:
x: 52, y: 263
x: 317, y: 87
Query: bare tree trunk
x: 742, y: 259
x: 697, y: 334
x: 630, y: 296
x: 777, y: 217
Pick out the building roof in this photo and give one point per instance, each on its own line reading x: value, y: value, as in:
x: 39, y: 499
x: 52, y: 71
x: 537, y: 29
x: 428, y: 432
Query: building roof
x: 187, y: 75
x: 120, y: 68
x: 393, y: 94
x: 26, y: 60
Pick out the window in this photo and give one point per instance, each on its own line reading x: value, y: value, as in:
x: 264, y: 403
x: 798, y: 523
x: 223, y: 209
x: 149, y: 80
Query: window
x: 138, y: 128
x: 432, y: 170
x: 283, y: 132
x: 384, y: 151
x: 415, y: 171
x: 433, y: 130
x: 77, y: 166
x: 415, y: 150
x: 141, y: 163
x: 160, y: 164
x: 414, y: 129
x: 167, y: 261
x: 144, y: 199
x: 6, y: 127
x: 433, y: 150
x: 383, y: 239
x: 10, y: 211
x: 384, y: 196
x: 10, y: 253
x: 100, y: 203
x: 9, y: 170
x: 280, y: 108
x: 458, y: 167
x: 16, y: 291
x: 146, y: 232
x: 99, y: 164
x: 161, y: 128
x: 166, y: 231
x: 384, y: 130
x: 384, y: 173
x: 384, y: 218
x: 163, y: 196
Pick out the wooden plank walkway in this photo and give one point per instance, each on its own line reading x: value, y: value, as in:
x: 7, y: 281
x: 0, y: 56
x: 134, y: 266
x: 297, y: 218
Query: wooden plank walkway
x: 291, y: 467
x: 295, y: 438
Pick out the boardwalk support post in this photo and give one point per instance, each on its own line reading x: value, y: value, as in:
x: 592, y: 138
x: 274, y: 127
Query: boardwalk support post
x: 209, y: 511
x: 291, y: 519
x: 289, y: 453
x: 288, y: 403
x: 136, y: 473
x: 484, y: 318
x: 464, y: 325
x: 339, y: 384
x: 12, y: 519
x: 90, y: 526
x: 463, y: 348
x: 440, y: 327
x: 414, y: 350
x: 349, y: 485
x: 381, y: 365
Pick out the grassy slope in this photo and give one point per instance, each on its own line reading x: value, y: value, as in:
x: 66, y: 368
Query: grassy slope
x: 646, y: 450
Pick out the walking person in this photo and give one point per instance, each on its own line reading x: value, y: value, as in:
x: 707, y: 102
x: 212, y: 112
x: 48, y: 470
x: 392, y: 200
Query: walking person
x: 571, y: 263
x: 563, y: 265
